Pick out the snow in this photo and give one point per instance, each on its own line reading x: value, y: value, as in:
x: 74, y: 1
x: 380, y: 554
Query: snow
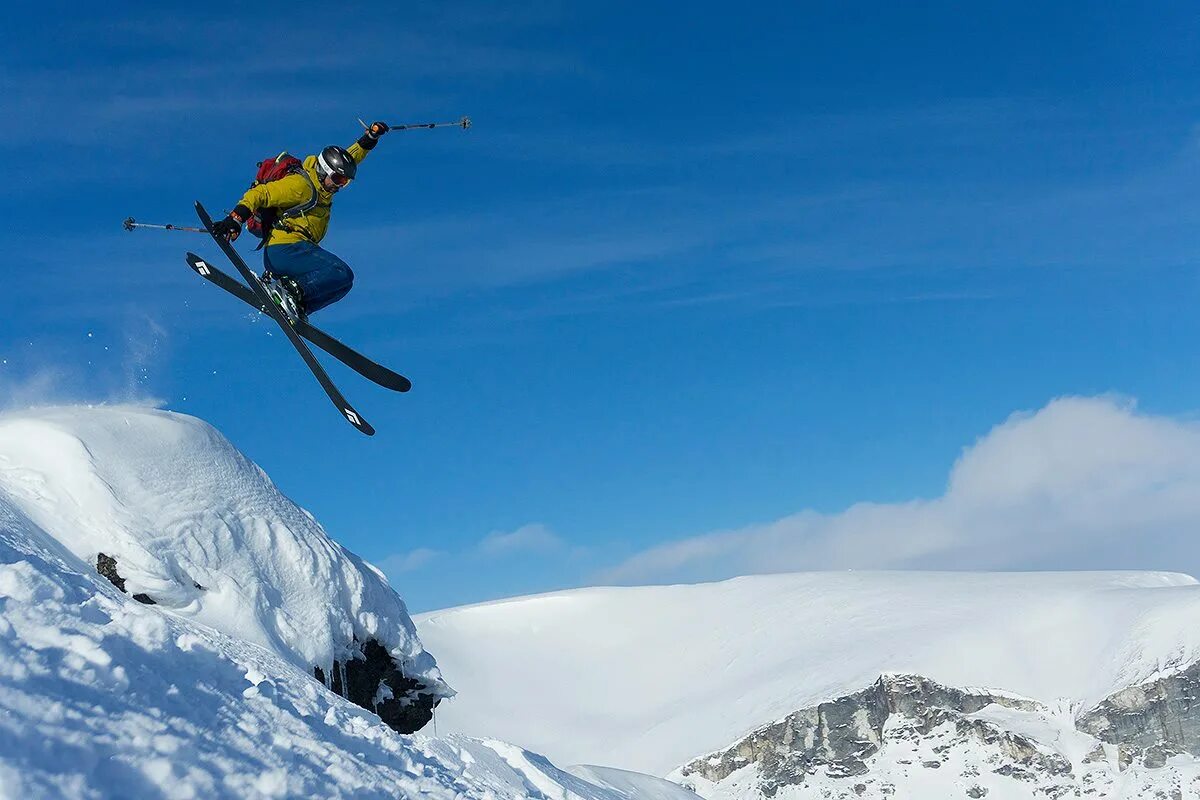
x: 634, y: 784
x: 1056, y: 729
x: 648, y: 678
x: 180, y: 508
x: 101, y: 697
x: 210, y: 693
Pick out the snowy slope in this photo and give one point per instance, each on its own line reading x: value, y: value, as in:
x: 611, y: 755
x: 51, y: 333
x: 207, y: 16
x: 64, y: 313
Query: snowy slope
x: 634, y: 784
x: 208, y: 694
x: 201, y: 529
x: 647, y: 678
x: 101, y: 697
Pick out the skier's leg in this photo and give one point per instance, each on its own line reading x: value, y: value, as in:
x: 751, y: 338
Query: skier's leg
x: 323, y: 278
x: 329, y: 281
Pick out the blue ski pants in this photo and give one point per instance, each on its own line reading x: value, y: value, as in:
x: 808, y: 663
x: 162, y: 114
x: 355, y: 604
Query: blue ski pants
x: 323, y: 277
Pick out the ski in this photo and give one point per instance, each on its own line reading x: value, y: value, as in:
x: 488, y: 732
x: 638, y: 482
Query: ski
x: 277, y: 314
x: 342, y: 352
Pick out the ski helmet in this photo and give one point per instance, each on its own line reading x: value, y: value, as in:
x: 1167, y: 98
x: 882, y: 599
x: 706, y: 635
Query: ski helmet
x: 336, y: 161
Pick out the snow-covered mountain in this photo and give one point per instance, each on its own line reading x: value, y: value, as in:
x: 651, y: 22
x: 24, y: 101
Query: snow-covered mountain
x: 800, y: 685
x: 190, y: 667
x: 908, y: 736
x: 172, y: 626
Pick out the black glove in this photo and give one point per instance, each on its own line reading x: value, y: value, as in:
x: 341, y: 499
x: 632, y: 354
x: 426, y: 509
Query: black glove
x: 228, y: 228
x: 377, y: 129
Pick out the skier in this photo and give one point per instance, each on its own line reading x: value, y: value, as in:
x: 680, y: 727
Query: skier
x: 293, y: 213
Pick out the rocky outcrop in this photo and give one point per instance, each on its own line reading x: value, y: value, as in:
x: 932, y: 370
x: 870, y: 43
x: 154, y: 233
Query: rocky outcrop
x: 371, y: 679
x: 106, y: 565
x: 840, y: 738
x: 1151, y: 722
x: 906, y: 731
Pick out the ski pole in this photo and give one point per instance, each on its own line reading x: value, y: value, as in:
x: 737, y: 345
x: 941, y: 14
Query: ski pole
x: 130, y: 223
x: 464, y: 123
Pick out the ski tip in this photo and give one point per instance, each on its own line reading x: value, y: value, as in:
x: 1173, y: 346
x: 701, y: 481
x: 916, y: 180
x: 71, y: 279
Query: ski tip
x: 354, y: 419
x: 204, y: 217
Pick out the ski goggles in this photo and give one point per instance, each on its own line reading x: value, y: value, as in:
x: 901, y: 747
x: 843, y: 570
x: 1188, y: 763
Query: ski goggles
x: 339, y: 180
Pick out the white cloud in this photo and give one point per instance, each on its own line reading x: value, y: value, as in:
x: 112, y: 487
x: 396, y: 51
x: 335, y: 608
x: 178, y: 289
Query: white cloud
x: 1082, y: 483
x: 408, y: 562
x: 535, y: 537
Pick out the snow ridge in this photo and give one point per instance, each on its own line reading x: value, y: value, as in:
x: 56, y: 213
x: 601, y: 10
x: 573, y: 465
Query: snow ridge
x: 202, y: 530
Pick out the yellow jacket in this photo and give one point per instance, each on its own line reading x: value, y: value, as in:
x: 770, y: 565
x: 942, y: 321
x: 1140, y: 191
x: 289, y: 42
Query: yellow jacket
x: 296, y: 190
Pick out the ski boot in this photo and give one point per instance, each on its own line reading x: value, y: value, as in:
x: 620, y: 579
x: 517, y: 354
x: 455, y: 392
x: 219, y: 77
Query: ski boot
x: 287, y: 295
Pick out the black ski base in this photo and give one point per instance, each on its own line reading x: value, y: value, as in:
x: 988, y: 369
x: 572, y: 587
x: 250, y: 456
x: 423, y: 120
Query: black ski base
x: 351, y: 358
x: 268, y: 307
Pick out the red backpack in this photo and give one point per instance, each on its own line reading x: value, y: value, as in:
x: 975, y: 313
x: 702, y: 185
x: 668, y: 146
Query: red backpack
x: 272, y: 169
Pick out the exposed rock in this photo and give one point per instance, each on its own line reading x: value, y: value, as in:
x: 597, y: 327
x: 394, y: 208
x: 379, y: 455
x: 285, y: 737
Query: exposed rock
x: 1143, y: 741
x: 1151, y: 722
x: 373, y: 680
x: 1014, y: 771
x: 107, y: 566
x: 838, y: 738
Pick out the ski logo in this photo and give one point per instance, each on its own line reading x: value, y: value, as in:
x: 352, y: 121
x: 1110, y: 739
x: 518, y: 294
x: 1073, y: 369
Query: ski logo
x: 350, y: 415
x: 202, y: 268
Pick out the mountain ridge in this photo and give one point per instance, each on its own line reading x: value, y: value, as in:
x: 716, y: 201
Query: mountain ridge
x: 717, y: 661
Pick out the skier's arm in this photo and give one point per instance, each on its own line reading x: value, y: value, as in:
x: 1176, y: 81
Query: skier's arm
x: 358, y: 151
x: 287, y: 192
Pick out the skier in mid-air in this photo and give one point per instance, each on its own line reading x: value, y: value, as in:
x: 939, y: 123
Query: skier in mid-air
x: 289, y: 206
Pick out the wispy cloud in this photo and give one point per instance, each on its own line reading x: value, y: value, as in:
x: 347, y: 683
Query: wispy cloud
x: 872, y: 133
x: 410, y: 561
x: 529, y: 558
x: 524, y: 244
x: 152, y: 75
x: 738, y: 234
x: 534, y: 537
x: 1082, y: 483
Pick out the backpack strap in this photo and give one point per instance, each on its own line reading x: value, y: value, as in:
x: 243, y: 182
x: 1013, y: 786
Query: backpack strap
x: 280, y: 220
x: 307, y: 205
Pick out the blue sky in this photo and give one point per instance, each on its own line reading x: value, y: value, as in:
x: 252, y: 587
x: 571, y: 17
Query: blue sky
x: 692, y: 270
